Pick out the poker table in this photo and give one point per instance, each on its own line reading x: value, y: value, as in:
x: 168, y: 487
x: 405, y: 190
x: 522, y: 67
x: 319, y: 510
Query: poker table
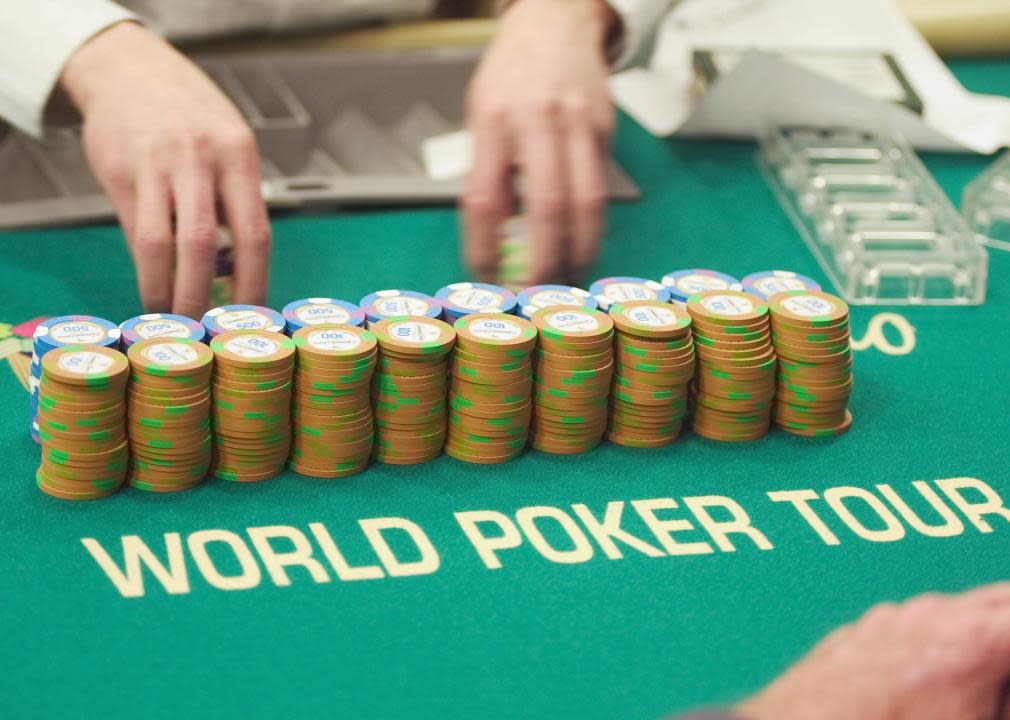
x: 447, y: 589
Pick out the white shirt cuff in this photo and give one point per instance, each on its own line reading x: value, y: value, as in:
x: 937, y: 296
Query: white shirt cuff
x: 39, y: 38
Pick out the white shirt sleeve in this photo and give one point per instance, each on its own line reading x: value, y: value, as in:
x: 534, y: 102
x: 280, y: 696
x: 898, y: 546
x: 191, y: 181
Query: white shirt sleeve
x: 639, y: 20
x: 38, y: 37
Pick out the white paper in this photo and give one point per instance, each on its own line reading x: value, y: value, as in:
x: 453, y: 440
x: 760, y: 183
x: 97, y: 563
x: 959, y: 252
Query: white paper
x: 447, y: 156
x: 763, y: 87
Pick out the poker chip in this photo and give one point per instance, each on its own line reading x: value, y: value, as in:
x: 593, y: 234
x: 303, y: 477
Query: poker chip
x: 515, y: 252
x: 810, y: 332
x: 467, y: 298
x: 169, y: 402
x: 574, y: 367
x: 627, y: 289
x: 533, y: 298
x: 766, y: 283
x: 251, y: 409
x: 58, y: 332
x: 160, y: 325
x: 320, y: 311
x: 554, y: 367
x: 735, y: 376
x: 682, y: 284
x: 332, y: 422
x: 489, y: 393
x: 229, y: 318
x: 81, y: 421
x: 653, y: 363
x: 387, y: 304
x: 76, y: 330
x: 409, y: 389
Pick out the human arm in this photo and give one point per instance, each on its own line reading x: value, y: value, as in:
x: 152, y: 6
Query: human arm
x: 175, y: 157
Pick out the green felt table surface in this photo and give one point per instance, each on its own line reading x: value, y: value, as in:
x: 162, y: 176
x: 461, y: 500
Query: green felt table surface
x: 636, y: 637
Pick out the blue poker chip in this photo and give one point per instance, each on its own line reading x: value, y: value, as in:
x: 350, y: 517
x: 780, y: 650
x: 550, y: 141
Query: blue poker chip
x: 34, y: 377
x: 538, y: 296
x: 74, y: 330
x: 766, y: 283
x: 608, y: 291
x: 384, y: 304
x: 319, y: 310
x: 160, y: 325
x: 467, y: 298
x: 682, y: 284
x: 59, y: 332
x: 241, y: 317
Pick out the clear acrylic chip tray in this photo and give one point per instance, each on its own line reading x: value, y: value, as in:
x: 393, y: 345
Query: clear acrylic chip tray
x: 872, y: 215
x: 986, y: 204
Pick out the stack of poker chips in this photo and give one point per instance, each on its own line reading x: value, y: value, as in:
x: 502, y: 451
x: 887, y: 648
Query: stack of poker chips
x: 389, y: 304
x: 169, y: 413
x: 489, y: 394
x: 515, y: 252
x: 467, y: 298
x: 608, y: 291
x: 766, y: 283
x: 251, y: 393
x: 653, y: 365
x: 160, y: 325
x: 409, y: 389
x: 682, y: 284
x: 60, y: 332
x: 735, y: 379
x: 810, y: 331
x: 320, y: 311
x: 82, y: 427
x: 228, y: 318
x: 574, y: 368
x: 537, y: 296
x: 332, y: 428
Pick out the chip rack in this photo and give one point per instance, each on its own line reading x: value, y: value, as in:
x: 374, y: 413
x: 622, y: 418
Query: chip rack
x: 334, y: 129
x: 986, y: 204
x: 873, y: 216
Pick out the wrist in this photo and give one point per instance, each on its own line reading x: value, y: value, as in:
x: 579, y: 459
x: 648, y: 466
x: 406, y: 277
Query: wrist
x: 88, y: 69
x: 594, y: 17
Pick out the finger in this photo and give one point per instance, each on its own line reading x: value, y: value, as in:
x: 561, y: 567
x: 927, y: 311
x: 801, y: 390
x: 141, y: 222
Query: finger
x: 996, y: 595
x: 245, y: 213
x: 152, y: 242
x: 122, y: 193
x: 125, y: 205
x: 996, y: 689
x: 196, y: 239
x: 986, y: 612
x: 114, y: 172
x: 126, y: 213
x: 587, y: 194
x: 834, y: 640
x: 544, y: 193
x: 1004, y: 701
x: 487, y: 199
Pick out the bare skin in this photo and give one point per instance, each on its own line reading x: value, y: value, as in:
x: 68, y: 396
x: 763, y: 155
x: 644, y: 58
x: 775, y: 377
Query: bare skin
x: 539, y: 104
x: 175, y: 157
x: 934, y: 657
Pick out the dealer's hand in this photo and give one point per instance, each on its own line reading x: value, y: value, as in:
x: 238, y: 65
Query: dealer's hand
x: 539, y: 103
x: 933, y: 657
x: 165, y: 143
